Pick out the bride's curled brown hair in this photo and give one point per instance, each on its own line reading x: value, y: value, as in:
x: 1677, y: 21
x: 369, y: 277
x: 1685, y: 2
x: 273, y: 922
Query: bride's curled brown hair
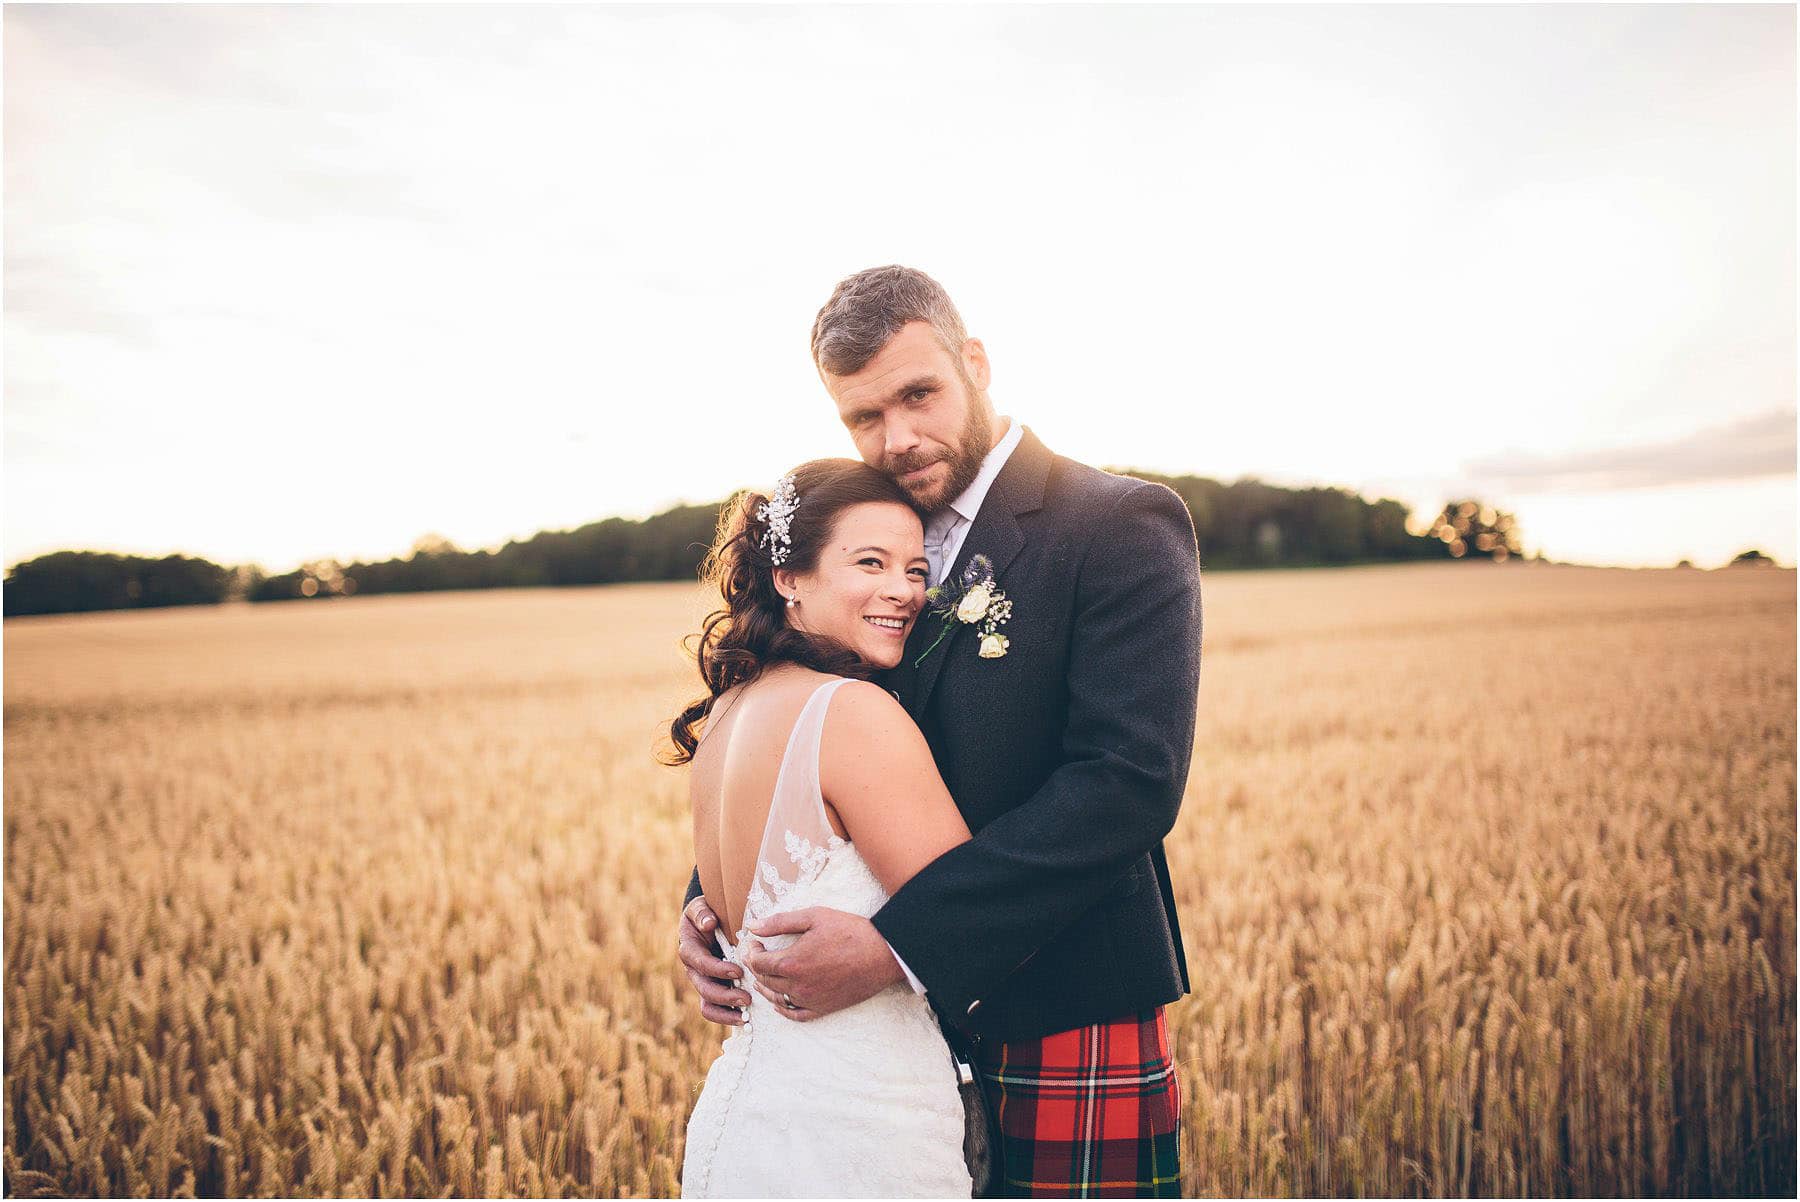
x: 751, y: 631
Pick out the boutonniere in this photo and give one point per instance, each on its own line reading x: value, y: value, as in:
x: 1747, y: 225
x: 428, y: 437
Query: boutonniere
x: 971, y: 600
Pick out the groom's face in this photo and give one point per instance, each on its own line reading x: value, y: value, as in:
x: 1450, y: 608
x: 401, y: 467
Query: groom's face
x: 919, y: 413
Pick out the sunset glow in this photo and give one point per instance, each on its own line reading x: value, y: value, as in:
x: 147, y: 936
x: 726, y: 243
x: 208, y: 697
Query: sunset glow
x: 289, y: 283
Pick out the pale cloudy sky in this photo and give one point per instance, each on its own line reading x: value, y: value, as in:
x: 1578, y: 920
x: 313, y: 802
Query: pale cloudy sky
x: 284, y: 283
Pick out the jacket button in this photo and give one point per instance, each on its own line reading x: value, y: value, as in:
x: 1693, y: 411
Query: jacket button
x: 973, y: 1005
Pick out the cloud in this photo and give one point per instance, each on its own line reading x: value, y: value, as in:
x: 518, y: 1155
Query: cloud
x: 300, y: 193
x: 1746, y: 449
x: 44, y: 293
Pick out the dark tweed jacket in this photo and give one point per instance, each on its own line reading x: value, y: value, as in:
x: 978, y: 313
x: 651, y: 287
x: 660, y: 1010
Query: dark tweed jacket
x: 1068, y: 757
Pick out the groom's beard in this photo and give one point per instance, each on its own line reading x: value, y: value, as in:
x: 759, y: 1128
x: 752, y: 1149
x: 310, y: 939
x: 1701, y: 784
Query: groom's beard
x: 972, y: 446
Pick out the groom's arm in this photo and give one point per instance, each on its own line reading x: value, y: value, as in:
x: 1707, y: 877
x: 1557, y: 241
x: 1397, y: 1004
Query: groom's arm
x: 714, y: 980
x: 971, y: 917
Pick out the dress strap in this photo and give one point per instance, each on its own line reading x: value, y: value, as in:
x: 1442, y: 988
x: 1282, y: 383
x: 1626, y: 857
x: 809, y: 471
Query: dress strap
x: 800, y: 764
x: 797, y: 833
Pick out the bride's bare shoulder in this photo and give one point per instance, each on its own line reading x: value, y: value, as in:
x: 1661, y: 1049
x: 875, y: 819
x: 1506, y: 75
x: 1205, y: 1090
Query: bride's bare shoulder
x: 877, y: 774
x: 865, y: 700
x: 866, y: 720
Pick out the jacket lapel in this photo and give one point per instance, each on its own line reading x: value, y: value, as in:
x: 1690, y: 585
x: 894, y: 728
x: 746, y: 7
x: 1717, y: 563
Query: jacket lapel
x: 995, y: 533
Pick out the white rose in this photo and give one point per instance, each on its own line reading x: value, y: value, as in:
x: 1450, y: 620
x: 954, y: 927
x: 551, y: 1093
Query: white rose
x: 974, y: 604
x: 993, y: 646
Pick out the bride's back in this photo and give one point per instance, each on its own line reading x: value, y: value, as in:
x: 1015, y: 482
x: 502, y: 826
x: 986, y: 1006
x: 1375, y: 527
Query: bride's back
x: 735, y: 771
x: 860, y: 1102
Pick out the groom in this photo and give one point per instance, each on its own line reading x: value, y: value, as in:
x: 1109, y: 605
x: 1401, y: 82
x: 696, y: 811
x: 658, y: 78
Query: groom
x: 1049, y: 941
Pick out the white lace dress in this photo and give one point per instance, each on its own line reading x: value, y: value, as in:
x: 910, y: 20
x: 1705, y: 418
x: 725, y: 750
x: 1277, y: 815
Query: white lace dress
x: 861, y: 1103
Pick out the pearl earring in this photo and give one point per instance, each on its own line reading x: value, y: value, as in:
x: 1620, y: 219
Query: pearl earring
x: 793, y: 601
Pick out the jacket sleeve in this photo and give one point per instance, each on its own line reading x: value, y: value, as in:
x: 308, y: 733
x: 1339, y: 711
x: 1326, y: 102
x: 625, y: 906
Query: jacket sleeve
x: 1133, y: 681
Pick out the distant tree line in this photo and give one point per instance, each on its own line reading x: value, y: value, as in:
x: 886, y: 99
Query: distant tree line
x: 1245, y: 524
x: 78, y: 581
x: 668, y: 546
x: 1250, y: 524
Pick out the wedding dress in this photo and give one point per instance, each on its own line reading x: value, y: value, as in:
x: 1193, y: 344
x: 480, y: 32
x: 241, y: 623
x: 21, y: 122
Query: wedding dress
x: 860, y: 1103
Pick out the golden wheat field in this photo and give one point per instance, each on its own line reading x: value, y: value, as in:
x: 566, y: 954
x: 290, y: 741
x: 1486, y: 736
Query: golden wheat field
x: 1487, y: 877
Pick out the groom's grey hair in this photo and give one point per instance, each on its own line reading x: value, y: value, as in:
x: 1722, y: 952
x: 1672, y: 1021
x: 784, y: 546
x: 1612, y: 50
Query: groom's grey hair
x: 869, y: 308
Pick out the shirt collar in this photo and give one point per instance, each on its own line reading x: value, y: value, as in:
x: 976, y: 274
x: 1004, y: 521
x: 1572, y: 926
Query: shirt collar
x: 968, y: 504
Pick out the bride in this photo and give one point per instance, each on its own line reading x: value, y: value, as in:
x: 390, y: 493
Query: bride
x: 811, y: 786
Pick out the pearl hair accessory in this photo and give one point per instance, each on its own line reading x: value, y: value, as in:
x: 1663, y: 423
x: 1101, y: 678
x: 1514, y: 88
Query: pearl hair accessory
x: 777, y: 513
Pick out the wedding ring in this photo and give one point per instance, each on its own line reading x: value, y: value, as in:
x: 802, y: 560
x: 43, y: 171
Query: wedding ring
x: 788, y: 1002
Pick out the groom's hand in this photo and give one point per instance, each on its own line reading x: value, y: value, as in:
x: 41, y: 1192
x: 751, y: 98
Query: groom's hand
x: 838, y: 960
x: 711, y: 976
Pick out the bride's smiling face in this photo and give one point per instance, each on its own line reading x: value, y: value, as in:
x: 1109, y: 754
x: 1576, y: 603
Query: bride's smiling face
x: 868, y: 585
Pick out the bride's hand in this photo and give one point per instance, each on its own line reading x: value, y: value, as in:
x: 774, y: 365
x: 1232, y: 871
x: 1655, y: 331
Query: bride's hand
x: 711, y: 977
x: 837, y: 960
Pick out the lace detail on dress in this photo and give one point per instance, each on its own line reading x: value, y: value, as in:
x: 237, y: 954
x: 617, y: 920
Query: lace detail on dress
x: 807, y: 858
x: 797, y: 837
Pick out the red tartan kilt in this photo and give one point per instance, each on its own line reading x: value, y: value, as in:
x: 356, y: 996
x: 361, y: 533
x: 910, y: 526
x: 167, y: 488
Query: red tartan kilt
x: 1093, y: 1112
